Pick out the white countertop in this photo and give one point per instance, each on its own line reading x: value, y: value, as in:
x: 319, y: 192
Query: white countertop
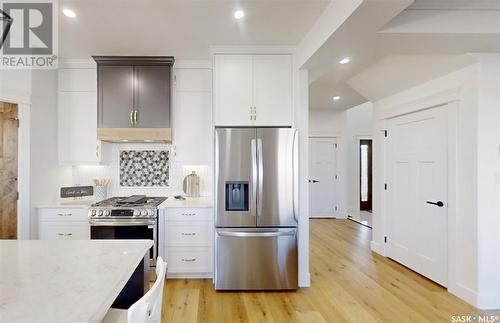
x: 68, y: 204
x: 188, y: 202
x: 169, y: 202
x: 66, y: 281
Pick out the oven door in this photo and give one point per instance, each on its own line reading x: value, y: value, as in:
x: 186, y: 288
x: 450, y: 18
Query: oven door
x: 127, y: 230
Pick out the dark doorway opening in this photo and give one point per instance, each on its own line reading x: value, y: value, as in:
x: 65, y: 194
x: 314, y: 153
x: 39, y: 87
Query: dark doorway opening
x: 365, y: 174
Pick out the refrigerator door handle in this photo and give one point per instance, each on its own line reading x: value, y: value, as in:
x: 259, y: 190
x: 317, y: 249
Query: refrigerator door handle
x: 295, y: 175
x: 245, y: 234
x: 260, y: 175
x: 253, y: 200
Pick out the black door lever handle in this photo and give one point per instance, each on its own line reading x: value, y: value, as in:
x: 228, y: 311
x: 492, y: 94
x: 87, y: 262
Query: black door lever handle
x: 438, y: 203
x: 315, y: 181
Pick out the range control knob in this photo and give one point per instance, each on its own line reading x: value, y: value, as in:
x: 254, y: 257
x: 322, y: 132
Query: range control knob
x: 92, y: 213
x: 144, y: 212
x: 99, y: 213
x: 107, y: 213
x: 137, y: 212
x: 151, y: 212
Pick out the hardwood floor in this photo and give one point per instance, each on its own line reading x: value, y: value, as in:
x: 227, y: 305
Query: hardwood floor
x: 349, y: 284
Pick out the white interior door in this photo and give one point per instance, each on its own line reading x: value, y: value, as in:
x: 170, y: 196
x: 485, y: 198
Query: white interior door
x: 322, y: 177
x: 417, y: 182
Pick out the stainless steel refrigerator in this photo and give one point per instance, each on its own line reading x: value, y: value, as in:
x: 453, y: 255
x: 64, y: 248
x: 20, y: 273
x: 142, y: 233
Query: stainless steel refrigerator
x: 256, y: 176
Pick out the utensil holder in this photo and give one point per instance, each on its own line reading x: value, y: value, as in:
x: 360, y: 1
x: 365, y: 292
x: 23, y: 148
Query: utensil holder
x: 101, y: 192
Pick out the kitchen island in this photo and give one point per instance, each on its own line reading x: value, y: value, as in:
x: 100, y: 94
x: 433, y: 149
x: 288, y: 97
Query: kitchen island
x: 67, y: 281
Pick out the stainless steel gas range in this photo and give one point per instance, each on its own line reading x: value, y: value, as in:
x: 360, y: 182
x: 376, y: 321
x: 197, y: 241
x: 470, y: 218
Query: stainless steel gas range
x: 133, y: 217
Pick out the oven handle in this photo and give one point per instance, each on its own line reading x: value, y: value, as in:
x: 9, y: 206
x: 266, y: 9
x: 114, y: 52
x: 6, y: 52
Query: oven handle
x: 120, y: 224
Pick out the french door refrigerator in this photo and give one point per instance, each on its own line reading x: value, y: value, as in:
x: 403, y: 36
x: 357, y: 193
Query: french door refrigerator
x: 256, y: 178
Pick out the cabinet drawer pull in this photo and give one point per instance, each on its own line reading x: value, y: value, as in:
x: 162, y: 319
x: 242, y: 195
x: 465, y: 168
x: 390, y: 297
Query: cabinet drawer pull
x: 188, y: 234
x: 188, y: 260
x: 64, y: 214
x: 64, y: 234
x: 188, y: 214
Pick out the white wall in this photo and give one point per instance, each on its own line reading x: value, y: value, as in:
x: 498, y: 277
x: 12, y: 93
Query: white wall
x: 473, y: 233
x: 327, y: 122
x: 488, y: 195
x: 347, y: 126
x: 46, y: 174
x: 359, y: 124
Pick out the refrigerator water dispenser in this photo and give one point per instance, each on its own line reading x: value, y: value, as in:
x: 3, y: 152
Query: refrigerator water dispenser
x: 237, y: 196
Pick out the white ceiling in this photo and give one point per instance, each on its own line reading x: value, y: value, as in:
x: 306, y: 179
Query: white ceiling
x: 384, y: 63
x: 399, y: 72
x: 455, y: 5
x: 183, y: 28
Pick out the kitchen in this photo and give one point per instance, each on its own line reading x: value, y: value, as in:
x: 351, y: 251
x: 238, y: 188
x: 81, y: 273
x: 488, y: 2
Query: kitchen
x: 193, y: 147
x: 135, y: 143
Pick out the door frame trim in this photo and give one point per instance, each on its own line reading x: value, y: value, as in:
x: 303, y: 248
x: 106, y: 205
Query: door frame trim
x: 23, y: 102
x: 452, y: 107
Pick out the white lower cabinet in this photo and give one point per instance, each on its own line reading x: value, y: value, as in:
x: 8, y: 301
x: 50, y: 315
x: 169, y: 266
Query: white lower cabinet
x: 186, y: 260
x: 63, y: 224
x: 187, y: 235
x: 64, y: 231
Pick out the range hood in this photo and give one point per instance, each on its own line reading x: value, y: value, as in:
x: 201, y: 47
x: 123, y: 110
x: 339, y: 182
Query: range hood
x: 134, y: 134
x: 134, y: 95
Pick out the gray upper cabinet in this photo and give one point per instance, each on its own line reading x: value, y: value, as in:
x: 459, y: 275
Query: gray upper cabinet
x: 152, y: 91
x: 133, y: 92
x: 116, y: 96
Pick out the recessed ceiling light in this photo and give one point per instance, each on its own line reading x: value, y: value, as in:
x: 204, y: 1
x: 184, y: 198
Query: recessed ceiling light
x: 345, y: 60
x: 336, y: 98
x: 69, y: 13
x: 238, y: 14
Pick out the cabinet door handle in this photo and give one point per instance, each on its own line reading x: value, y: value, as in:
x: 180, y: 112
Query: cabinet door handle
x: 97, y: 151
x: 188, y: 234
x: 64, y: 214
x: 132, y: 117
x: 188, y: 214
x: 64, y: 234
x: 136, y: 113
x: 188, y: 260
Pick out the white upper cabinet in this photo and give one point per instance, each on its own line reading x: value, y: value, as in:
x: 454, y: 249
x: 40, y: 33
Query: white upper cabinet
x: 233, y: 89
x: 253, y: 90
x: 192, y: 115
x: 272, y: 90
x: 77, y: 114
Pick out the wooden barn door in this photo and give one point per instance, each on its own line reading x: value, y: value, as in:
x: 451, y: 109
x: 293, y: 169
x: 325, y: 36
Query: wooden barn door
x: 8, y: 170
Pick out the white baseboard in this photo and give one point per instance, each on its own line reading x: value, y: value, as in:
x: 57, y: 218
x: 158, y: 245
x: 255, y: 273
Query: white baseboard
x: 323, y: 217
x: 481, y: 301
x: 338, y: 215
x: 189, y: 275
x: 305, y: 280
x: 488, y: 302
x: 378, y: 248
x: 467, y: 294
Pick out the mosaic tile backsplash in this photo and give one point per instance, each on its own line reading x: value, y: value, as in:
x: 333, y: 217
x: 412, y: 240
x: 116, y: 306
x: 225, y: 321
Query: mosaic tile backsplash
x: 143, y: 168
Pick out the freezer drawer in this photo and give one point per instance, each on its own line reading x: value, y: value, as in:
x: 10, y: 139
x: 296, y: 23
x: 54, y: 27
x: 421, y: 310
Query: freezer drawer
x: 256, y: 259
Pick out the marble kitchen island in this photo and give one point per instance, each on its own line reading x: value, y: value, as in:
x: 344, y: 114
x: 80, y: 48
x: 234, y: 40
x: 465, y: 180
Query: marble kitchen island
x: 64, y: 280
